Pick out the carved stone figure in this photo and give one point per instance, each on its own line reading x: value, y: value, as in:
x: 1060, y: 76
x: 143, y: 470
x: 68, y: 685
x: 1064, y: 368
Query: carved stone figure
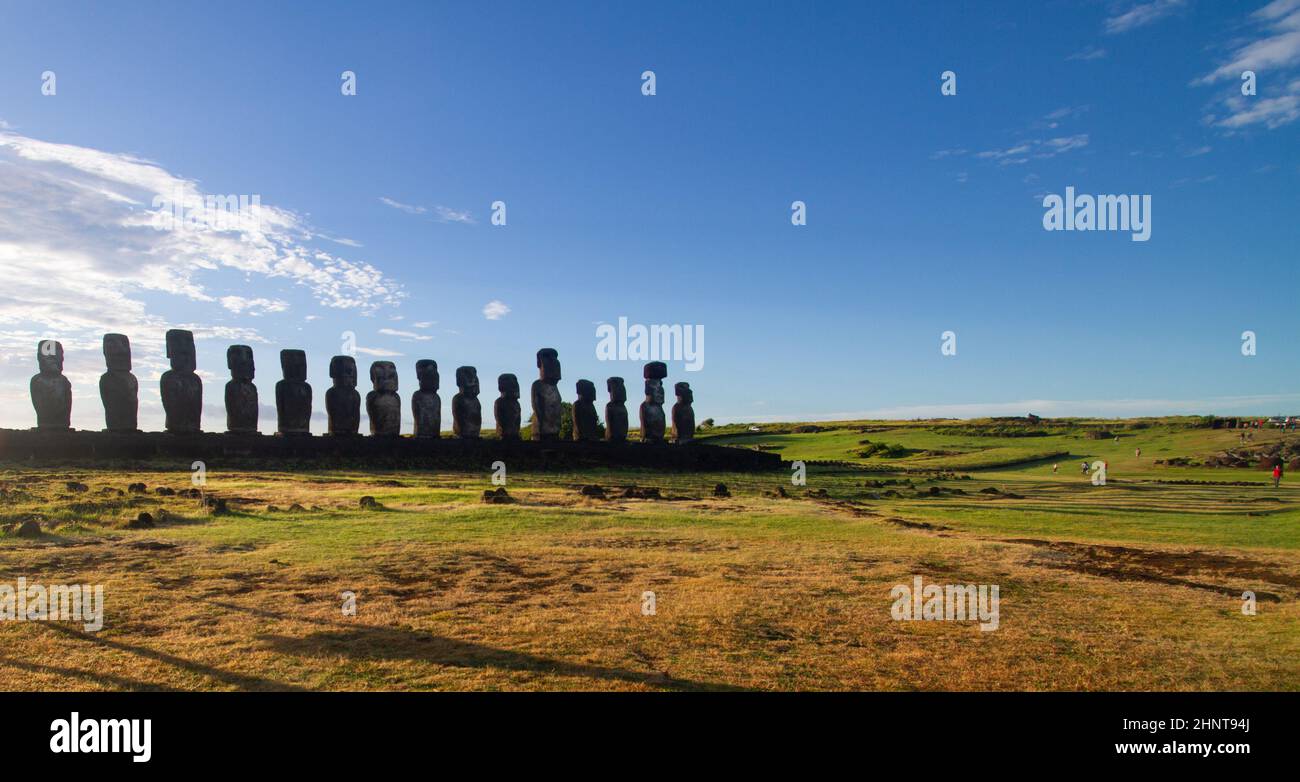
x: 118, y: 388
x: 293, y: 394
x: 426, y: 405
x: 241, y: 394
x: 683, y: 414
x: 616, y: 411
x: 506, y: 408
x: 382, y: 404
x: 585, y: 422
x: 342, y: 400
x: 182, y: 390
x: 546, y: 396
x: 466, y: 412
x: 51, y: 391
x: 652, y: 409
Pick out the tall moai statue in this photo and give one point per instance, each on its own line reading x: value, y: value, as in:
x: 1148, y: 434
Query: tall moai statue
x: 342, y: 400
x: 652, y: 409
x: 182, y: 390
x: 466, y: 412
x: 118, y: 388
x: 241, y: 394
x: 506, y: 407
x: 51, y: 391
x: 382, y: 404
x: 616, y: 411
x: 683, y: 414
x: 426, y: 405
x: 293, y: 394
x: 586, y: 426
x: 545, y: 396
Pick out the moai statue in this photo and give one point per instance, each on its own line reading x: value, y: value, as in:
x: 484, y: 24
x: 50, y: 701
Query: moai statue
x: 182, y: 390
x: 466, y: 412
x: 426, y: 405
x: 683, y: 414
x: 616, y: 411
x: 342, y: 401
x: 546, y: 396
x: 241, y: 394
x: 506, y: 408
x: 293, y: 394
x: 585, y: 423
x: 51, y: 391
x: 383, y: 405
x: 118, y: 388
x: 652, y: 409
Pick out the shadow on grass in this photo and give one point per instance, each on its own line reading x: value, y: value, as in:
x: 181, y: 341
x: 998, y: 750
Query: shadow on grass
x: 370, y: 642
x: 120, y: 682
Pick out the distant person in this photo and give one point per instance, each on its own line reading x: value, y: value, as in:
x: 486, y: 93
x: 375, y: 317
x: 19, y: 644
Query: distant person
x: 1054, y: 466
x: 1277, y: 475
x: 1116, y: 438
x: 1085, y: 468
x: 1138, y: 453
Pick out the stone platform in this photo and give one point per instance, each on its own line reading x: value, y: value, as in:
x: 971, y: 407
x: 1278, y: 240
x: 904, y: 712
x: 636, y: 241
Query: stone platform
x: 89, y: 448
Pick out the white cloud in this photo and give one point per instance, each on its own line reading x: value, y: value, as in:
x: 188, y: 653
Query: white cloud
x: 424, y: 324
x: 408, y: 208
x: 1037, y: 149
x: 1142, y: 15
x: 254, y: 307
x: 1089, y: 53
x: 444, y: 214
x: 404, y: 334
x: 448, y: 215
x: 1271, y: 54
x: 378, y: 352
x: 495, y: 310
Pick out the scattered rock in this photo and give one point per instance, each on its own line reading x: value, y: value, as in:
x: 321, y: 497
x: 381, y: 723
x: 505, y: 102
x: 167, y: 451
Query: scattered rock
x: 583, y: 588
x: 29, y: 529
x: 163, y: 491
x: 276, y: 508
x: 369, y: 503
x: 990, y: 490
x: 296, y: 508
x: 721, y: 490
x: 77, y: 487
x: 638, y: 493
x: 497, y: 496
x: 593, y: 490
x: 143, y: 521
x: 136, y: 488
x: 218, y: 506
x: 818, y: 493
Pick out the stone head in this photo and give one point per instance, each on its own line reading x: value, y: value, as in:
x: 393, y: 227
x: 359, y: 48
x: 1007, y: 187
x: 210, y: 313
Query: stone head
x: 508, y: 385
x: 654, y: 391
x: 383, y: 374
x: 684, y: 393
x: 180, y: 350
x: 49, y: 356
x: 426, y: 371
x: 586, y: 391
x: 617, y: 391
x: 467, y: 380
x: 294, y: 364
x: 239, y: 359
x: 343, y: 369
x: 548, y: 361
x: 117, y: 353
x: 655, y: 370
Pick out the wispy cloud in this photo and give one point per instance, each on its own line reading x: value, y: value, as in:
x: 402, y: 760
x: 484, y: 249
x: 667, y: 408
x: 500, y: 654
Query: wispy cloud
x: 1089, y: 53
x: 255, y: 307
x: 1142, y: 15
x: 1035, y: 149
x: 398, y: 205
x: 495, y: 310
x: 408, y: 335
x: 1274, y: 54
x: 443, y: 214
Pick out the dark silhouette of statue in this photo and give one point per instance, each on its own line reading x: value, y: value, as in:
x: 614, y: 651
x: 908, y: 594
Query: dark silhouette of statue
x: 51, y: 391
x: 382, y: 404
x: 616, y: 411
x: 652, y: 409
x: 506, y: 407
x: 293, y: 394
x: 683, y: 414
x: 241, y: 394
x: 585, y: 423
x: 426, y: 405
x: 118, y: 388
x: 342, y: 400
x: 182, y: 390
x: 546, y: 396
x: 466, y: 412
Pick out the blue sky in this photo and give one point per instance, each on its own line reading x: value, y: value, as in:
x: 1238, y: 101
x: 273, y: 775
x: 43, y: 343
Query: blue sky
x: 924, y: 211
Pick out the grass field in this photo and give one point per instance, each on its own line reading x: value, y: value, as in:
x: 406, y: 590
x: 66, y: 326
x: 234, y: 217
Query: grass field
x: 1134, y: 585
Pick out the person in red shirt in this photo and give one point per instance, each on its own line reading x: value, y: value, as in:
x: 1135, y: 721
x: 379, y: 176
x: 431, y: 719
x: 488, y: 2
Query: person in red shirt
x: 1277, y: 475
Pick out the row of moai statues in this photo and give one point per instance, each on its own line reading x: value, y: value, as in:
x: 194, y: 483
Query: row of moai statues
x: 182, y: 397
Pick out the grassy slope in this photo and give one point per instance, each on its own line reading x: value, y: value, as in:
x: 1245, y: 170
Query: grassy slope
x: 753, y: 591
